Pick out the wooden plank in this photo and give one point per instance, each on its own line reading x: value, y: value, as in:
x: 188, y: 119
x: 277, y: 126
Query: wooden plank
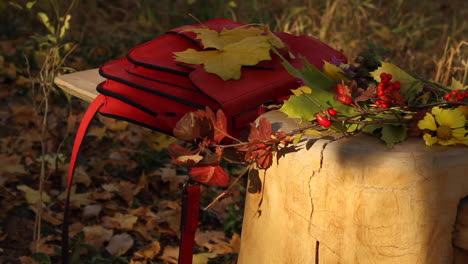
x: 81, y: 84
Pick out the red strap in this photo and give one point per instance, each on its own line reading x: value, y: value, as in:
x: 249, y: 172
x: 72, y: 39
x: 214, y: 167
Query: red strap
x: 189, y: 222
x: 80, y: 134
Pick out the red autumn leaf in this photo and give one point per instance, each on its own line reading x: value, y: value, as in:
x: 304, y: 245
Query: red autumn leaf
x: 219, y: 123
x: 176, y: 150
x: 191, y: 126
x: 263, y: 156
x: 256, y: 151
x: 183, y: 156
x: 210, y: 174
x: 263, y: 131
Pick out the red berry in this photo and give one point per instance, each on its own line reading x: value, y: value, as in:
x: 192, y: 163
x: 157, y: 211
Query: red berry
x: 344, y: 99
x: 341, y: 89
x: 323, y: 121
x: 332, y: 112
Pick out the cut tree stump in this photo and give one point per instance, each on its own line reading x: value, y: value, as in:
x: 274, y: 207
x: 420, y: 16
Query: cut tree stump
x: 356, y: 201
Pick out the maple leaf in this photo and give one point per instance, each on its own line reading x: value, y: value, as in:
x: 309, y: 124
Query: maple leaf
x: 218, y: 40
x: 210, y: 174
x: 227, y: 61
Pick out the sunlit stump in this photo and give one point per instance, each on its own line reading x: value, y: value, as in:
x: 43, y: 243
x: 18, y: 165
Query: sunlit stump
x: 356, y: 201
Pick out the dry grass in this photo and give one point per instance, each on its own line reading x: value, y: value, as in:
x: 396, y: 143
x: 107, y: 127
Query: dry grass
x: 415, y: 31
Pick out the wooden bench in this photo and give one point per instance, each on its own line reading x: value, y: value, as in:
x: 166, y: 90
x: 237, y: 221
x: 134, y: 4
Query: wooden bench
x: 348, y: 201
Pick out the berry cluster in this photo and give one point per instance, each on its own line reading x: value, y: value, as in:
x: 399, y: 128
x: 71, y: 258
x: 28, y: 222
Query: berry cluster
x: 322, y: 120
x: 342, y: 96
x: 456, y: 95
x: 388, y: 92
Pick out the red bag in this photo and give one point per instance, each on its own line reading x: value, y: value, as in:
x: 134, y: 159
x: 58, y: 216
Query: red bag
x: 149, y: 88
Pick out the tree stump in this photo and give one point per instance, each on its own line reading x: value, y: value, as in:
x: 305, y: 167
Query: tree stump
x: 356, y: 201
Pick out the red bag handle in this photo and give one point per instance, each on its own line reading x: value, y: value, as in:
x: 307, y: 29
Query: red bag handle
x: 190, y: 204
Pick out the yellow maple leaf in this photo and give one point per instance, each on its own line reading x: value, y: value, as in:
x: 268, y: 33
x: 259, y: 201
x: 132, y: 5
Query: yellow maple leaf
x: 218, y: 40
x: 227, y: 62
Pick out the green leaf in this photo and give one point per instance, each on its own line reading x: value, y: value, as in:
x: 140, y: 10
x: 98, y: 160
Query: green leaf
x: 456, y: 85
x: 65, y: 26
x: 390, y: 134
x: 311, y: 76
x: 297, y: 138
x: 334, y: 72
x: 409, y: 85
x: 30, y: 4
x: 300, y: 106
x: 45, y: 20
x: 15, y: 5
x: 393, y: 134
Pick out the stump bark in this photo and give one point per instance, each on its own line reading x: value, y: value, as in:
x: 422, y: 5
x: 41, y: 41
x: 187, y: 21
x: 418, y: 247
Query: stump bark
x: 356, y: 201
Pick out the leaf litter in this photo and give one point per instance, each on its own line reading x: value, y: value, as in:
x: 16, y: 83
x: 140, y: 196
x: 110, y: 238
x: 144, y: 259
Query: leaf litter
x: 125, y: 199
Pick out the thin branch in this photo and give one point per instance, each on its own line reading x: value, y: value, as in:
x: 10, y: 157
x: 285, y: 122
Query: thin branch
x: 215, y: 200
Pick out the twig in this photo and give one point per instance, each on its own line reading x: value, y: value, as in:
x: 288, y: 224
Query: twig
x: 247, y: 168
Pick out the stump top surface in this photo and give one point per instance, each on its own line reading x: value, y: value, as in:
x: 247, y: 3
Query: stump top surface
x: 81, y: 84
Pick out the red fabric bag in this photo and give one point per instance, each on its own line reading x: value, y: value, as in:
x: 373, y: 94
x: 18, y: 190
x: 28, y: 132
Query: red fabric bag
x: 149, y: 88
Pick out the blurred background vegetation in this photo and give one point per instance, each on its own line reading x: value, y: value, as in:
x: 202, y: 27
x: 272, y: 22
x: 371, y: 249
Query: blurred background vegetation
x: 41, y: 39
x: 417, y: 32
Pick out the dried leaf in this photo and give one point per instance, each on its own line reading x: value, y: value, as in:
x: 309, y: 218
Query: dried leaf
x: 170, y: 254
x: 27, y: 260
x: 96, y: 235
x: 32, y: 196
x: 149, y: 252
x: 121, y: 221
x: 119, y: 244
x: 203, y: 258
x: 214, y: 241
x: 92, y: 210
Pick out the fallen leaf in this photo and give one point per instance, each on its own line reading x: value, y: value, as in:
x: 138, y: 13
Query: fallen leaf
x: 27, y: 260
x: 11, y: 164
x: 113, y: 124
x: 227, y: 62
x: 203, y: 258
x: 41, y: 246
x: 120, y: 221
x: 119, y: 244
x: 92, y: 210
x: 23, y: 114
x: 235, y: 243
x: 148, y: 252
x: 96, y: 235
x: 214, y: 241
x: 218, y: 40
x: 52, y: 217
x: 169, y: 212
x: 32, y: 196
x: 160, y: 141
x: 170, y: 254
